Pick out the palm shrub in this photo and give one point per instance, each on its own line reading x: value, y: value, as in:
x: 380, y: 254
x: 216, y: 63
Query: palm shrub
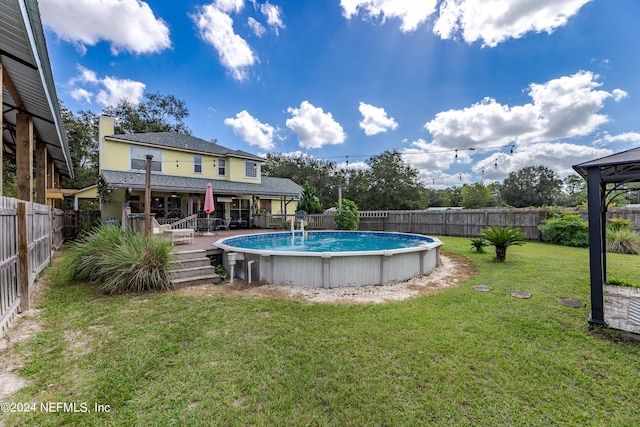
x: 623, y: 240
x: 478, y: 244
x: 119, y: 261
x: 502, y: 238
x: 566, y: 230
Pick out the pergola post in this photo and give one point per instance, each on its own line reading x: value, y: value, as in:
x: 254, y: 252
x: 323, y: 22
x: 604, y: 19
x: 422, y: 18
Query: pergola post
x: 596, y: 245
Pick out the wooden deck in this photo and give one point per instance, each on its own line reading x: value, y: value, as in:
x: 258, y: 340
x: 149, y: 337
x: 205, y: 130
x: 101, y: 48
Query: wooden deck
x: 202, y: 241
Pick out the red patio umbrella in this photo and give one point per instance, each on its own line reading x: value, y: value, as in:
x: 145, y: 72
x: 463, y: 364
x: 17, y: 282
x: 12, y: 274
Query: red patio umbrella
x: 209, y: 206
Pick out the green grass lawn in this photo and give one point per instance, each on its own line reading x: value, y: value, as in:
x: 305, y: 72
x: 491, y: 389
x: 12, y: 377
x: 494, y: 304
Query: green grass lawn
x: 460, y: 357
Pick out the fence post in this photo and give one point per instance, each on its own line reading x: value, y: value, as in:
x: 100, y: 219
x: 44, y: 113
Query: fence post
x: 23, y: 257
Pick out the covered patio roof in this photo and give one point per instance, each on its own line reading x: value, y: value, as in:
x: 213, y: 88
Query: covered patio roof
x: 269, y: 187
x: 604, y: 175
x: 28, y: 85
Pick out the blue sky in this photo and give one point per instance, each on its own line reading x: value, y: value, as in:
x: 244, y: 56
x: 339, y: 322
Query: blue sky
x: 466, y: 90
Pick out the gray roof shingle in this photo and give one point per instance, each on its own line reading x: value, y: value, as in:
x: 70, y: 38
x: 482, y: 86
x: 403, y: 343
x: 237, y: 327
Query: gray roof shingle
x: 173, y: 183
x: 183, y: 142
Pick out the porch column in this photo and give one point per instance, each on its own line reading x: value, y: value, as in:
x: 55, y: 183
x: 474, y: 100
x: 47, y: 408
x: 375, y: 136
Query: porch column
x: 24, y: 157
x: 596, y: 245
x: 41, y: 172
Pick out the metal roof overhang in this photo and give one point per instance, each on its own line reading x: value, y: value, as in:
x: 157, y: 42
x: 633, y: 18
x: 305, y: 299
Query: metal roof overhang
x: 28, y: 77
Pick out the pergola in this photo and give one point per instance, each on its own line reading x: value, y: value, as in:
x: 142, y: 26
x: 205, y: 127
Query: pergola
x: 30, y: 119
x: 604, y: 175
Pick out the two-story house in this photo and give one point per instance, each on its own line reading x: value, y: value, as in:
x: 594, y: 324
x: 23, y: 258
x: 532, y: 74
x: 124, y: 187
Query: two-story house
x: 181, y: 167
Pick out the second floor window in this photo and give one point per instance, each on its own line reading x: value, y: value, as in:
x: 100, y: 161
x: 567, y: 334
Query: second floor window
x: 251, y: 169
x: 138, y: 158
x: 197, y: 163
x: 222, y: 167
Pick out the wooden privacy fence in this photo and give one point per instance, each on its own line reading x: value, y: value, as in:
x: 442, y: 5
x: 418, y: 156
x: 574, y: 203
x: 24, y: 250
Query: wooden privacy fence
x: 470, y: 222
x: 280, y: 221
x: 29, y: 232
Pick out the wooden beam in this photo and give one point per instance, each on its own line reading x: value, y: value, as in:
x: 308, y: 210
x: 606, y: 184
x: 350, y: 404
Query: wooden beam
x: 23, y: 257
x: 24, y: 157
x: 11, y: 88
x: 41, y: 172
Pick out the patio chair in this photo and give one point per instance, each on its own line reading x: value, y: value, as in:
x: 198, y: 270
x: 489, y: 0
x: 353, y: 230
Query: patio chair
x: 223, y: 225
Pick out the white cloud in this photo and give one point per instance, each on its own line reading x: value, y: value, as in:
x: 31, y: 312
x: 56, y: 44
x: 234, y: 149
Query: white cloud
x: 258, y: 28
x: 128, y: 25
x: 314, y: 127
x: 412, y: 13
x: 429, y: 156
x: 498, y: 20
x: 228, y: 6
x: 375, y: 119
x: 489, y: 21
x: 110, y: 90
x: 273, y: 15
x: 619, y: 94
x: 353, y: 166
x: 251, y: 130
x: 558, y: 157
x: 83, y: 95
x: 216, y: 28
x: 625, y: 137
x: 117, y: 89
x: 562, y: 108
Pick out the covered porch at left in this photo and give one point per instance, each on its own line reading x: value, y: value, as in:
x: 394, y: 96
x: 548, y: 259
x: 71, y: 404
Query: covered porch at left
x: 176, y: 198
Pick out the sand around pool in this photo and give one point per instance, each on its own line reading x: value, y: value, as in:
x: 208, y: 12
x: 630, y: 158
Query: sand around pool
x: 453, y: 270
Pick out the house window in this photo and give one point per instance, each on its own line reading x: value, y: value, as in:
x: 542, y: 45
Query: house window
x: 197, y: 163
x: 138, y: 157
x: 250, y: 169
x: 222, y: 167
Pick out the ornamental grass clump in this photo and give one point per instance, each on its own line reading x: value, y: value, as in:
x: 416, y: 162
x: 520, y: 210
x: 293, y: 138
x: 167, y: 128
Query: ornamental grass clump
x: 623, y: 241
x: 502, y: 238
x: 119, y: 261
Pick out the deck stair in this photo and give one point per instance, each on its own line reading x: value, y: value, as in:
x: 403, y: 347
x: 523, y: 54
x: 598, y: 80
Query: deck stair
x: 195, y: 269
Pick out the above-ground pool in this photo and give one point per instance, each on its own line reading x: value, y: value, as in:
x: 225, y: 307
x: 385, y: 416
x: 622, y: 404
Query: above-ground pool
x: 330, y: 258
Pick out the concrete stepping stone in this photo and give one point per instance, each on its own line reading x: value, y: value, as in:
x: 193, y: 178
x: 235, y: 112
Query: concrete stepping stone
x: 483, y: 288
x: 568, y: 302
x: 519, y: 294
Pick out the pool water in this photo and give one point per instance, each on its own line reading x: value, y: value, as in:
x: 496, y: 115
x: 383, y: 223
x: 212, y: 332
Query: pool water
x: 328, y: 241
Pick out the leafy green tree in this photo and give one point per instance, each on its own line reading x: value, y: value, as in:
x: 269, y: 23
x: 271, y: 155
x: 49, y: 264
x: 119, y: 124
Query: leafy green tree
x: 531, y: 186
x: 496, y: 194
x: 322, y: 175
x: 309, y: 201
x: 501, y: 238
x: 8, y: 178
x: 573, y: 192
x: 347, y: 218
x: 157, y: 113
x: 475, y: 196
x: 394, y: 184
x: 82, y: 137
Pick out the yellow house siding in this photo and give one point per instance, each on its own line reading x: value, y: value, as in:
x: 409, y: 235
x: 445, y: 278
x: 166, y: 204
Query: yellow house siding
x: 237, y: 170
x: 88, y: 193
x: 115, y: 155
